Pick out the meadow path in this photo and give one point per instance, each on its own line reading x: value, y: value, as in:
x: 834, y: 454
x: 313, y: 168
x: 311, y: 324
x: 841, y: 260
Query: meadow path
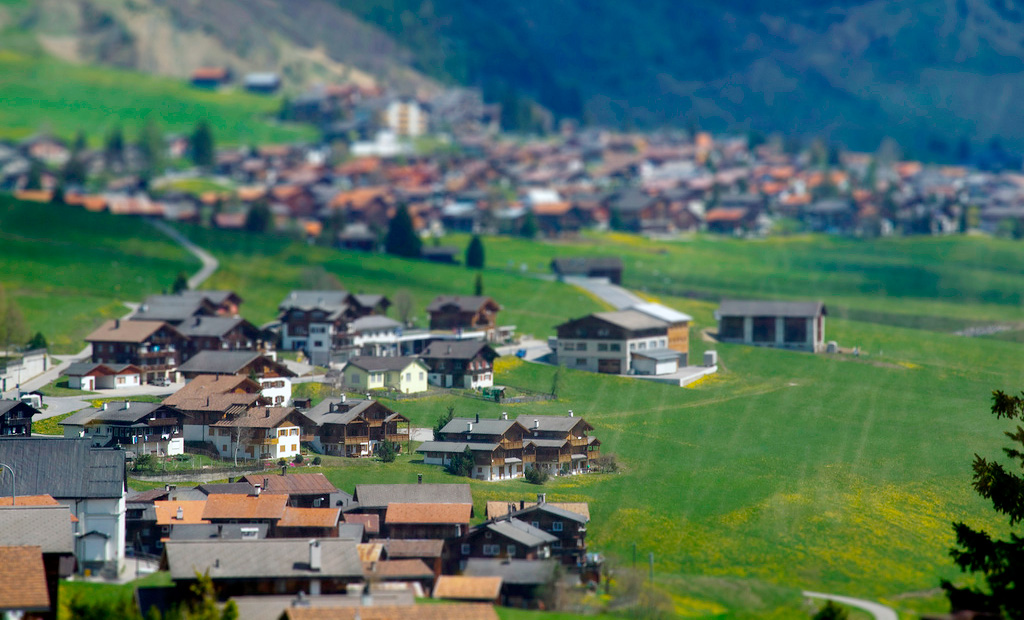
x: 879, y: 611
x: 210, y: 263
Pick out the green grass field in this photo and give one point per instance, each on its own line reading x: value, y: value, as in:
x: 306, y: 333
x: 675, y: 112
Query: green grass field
x: 44, y: 94
x: 68, y: 269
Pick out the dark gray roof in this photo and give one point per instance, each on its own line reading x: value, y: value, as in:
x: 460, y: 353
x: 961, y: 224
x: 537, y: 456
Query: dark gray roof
x: 63, y: 468
x: 741, y: 307
x: 370, y: 300
x: 226, y: 488
x: 554, y: 510
x: 215, y: 531
x: 262, y: 559
x: 519, y: 572
x: 458, y: 349
x: 8, y: 405
x: 225, y: 363
x: 315, y: 299
x: 117, y: 412
x: 211, y: 326
x: 380, y: 495
x: 546, y: 443
x: 371, y: 363
x: 214, y: 297
x: 334, y: 411
x: 549, y: 422
x: 658, y: 355
x: 485, y: 426
x: 48, y: 527
x: 170, y: 308
x: 466, y: 303
x: 632, y: 319
x: 631, y: 200
x: 520, y: 531
x: 452, y: 447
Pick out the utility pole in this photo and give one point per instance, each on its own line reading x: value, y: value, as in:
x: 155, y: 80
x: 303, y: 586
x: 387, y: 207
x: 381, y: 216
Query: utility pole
x: 634, y: 556
x: 650, y: 559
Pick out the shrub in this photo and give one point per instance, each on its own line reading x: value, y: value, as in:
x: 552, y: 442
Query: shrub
x: 387, y: 451
x: 143, y: 462
x: 461, y: 464
x: 298, y: 459
x: 535, y: 476
x: 317, y: 460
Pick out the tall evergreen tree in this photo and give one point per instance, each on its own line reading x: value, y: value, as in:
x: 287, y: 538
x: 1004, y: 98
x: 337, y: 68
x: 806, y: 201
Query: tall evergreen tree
x: 258, y: 218
x: 35, y: 175
x: 528, y: 229
x: 1000, y: 562
x: 180, y: 283
x: 402, y: 239
x: 151, y: 146
x: 478, y: 285
x: 201, y: 145
x: 475, y: 253
x: 113, y: 149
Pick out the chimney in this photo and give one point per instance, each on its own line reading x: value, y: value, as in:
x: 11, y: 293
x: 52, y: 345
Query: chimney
x: 268, y: 412
x: 117, y: 323
x: 419, y: 478
x: 469, y: 427
x: 504, y: 415
x: 343, y: 398
x: 541, y: 497
x: 536, y: 423
x: 315, y: 555
x: 181, y: 514
x: 104, y: 406
x: 570, y: 413
x: 167, y: 488
x: 220, y: 531
x: 478, y: 418
x: 256, y: 488
x: 127, y: 404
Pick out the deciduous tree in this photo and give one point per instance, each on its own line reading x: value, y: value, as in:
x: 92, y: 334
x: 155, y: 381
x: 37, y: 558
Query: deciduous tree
x: 1000, y: 562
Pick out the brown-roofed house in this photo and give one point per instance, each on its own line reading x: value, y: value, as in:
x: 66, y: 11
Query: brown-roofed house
x: 23, y: 581
x: 440, y: 611
x: 262, y: 433
x: 303, y: 490
x: 309, y: 523
x: 460, y: 588
x: 155, y: 347
x: 427, y: 520
x: 173, y: 512
x: 263, y: 508
x: 370, y: 522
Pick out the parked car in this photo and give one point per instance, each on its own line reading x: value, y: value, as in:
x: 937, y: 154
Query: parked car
x: 160, y: 381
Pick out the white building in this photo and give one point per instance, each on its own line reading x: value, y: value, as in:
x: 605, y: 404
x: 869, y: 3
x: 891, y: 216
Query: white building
x: 140, y: 428
x: 90, y: 376
x: 610, y: 342
x: 407, y: 118
x: 780, y: 324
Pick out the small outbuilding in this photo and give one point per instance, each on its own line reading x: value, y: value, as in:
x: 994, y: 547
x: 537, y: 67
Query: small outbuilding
x: 796, y: 325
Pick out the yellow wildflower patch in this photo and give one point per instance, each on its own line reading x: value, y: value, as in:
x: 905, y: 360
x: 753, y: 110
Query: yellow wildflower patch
x: 507, y: 363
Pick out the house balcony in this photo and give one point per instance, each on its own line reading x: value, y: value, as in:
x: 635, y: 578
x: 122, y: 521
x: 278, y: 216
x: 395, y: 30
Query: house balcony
x: 307, y: 437
x: 576, y: 443
x: 355, y: 441
x: 397, y: 437
x: 264, y: 441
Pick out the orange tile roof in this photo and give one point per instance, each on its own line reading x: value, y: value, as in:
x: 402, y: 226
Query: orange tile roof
x: 34, y: 500
x: 401, y: 569
x: 364, y: 165
x: 726, y: 214
x: 797, y: 199
x: 497, y: 509
x: 437, y: 611
x: 467, y: 588
x: 210, y: 73
x: 428, y: 513
x: 34, y: 195
x: 552, y: 208
x: 229, y: 506
x: 250, y: 194
x: 908, y: 168
x: 309, y: 517
x: 371, y: 523
x: 359, y: 198
x: 191, y: 511
x: 313, y: 228
x: 23, y: 579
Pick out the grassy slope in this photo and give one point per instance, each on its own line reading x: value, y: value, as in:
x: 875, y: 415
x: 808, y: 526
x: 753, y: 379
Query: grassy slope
x: 264, y: 269
x: 40, y: 93
x: 69, y: 269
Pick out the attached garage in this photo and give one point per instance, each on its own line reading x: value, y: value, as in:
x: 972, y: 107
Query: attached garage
x: 655, y: 362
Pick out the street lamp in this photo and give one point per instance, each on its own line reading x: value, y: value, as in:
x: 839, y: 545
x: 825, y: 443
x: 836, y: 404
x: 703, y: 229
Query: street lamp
x: 14, y: 491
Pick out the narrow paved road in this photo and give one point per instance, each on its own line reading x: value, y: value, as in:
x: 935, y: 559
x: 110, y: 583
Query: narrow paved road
x: 210, y: 263
x: 879, y: 611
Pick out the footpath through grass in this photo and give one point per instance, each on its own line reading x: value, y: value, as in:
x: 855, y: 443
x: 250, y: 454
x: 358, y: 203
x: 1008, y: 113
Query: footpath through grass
x: 68, y: 269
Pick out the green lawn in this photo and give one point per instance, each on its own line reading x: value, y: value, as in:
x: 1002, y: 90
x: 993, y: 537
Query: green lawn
x: 68, y: 269
x: 49, y: 426
x: 59, y: 387
x: 41, y: 93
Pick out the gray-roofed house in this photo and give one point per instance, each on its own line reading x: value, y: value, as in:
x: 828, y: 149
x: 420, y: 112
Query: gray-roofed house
x: 497, y: 446
x: 559, y: 444
x: 274, y: 377
x: 173, y: 309
x: 16, y: 418
x: 466, y: 313
x: 568, y: 527
x: 523, y: 582
x: 796, y: 325
x: 155, y: 347
x: 355, y: 427
x: 89, y: 481
x: 220, y: 333
x: 91, y: 375
x: 465, y: 364
x: 142, y: 428
x: 507, y: 537
x: 405, y: 374
x: 311, y: 321
x: 244, y: 567
x: 606, y: 341
x: 374, y: 498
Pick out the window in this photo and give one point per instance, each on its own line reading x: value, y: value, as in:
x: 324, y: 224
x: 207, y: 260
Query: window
x: 511, y: 549
x: 642, y: 346
x: 465, y: 549
x: 421, y: 375
x: 569, y: 346
x: 353, y: 378
x: 632, y: 346
x: 581, y: 346
x: 581, y: 361
x: 317, y: 502
x: 602, y: 346
x: 556, y: 526
x: 536, y: 524
x: 318, y: 343
x: 491, y: 549
x: 615, y: 346
x: 408, y: 376
x: 250, y: 533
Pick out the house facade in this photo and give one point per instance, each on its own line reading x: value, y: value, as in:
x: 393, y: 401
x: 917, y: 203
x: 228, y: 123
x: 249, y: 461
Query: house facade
x: 466, y: 364
x: 311, y: 321
x: 355, y: 427
x: 606, y: 341
x: 142, y: 428
x: 91, y: 376
x: 16, y: 418
x: 779, y: 324
x: 154, y: 347
x: 465, y: 313
x: 559, y: 444
x: 407, y: 375
x: 497, y: 446
x: 262, y: 433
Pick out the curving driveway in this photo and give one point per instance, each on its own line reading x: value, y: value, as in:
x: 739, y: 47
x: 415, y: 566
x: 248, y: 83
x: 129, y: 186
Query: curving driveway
x: 879, y: 611
x: 210, y: 263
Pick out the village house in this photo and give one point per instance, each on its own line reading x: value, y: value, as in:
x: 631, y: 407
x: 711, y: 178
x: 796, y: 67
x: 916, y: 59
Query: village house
x: 465, y: 313
x: 523, y: 582
x: 781, y: 324
x: 609, y: 267
x: 507, y: 537
x: 142, y: 428
x: 16, y: 418
x: 90, y: 376
x: 303, y: 490
x: 374, y: 499
x: 496, y: 444
x: 220, y: 333
x: 407, y: 375
x: 89, y: 481
x: 608, y: 341
x: 36, y: 551
x: 274, y: 378
x: 262, y: 433
x: 355, y: 427
x: 465, y: 364
x: 174, y: 309
x: 426, y: 520
x: 559, y: 444
x: 225, y: 303
x: 207, y: 399
x: 154, y: 347
x: 311, y: 321
x: 256, y: 508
